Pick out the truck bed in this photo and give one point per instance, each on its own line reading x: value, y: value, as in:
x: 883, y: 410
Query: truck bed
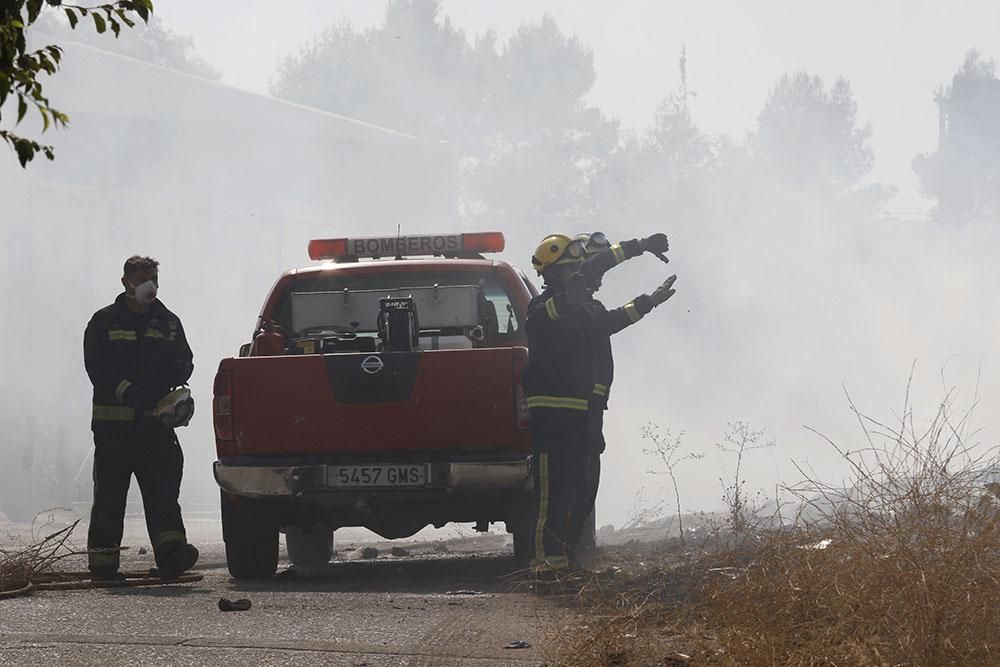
x: 372, y: 405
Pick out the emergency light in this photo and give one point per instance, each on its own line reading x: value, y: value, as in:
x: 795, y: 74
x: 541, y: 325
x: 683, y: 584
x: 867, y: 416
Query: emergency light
x: 406, y: 246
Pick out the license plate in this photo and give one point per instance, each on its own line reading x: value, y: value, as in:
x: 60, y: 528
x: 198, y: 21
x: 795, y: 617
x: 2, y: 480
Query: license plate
x: 381, y: 475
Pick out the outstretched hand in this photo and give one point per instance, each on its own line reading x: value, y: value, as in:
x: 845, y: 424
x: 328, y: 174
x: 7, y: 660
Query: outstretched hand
x: 664, y: 291
x: 656, y: 244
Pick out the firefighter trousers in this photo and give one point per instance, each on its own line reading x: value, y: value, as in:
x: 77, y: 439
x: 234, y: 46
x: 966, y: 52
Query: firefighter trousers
x: 587, y: 498
x: 150, y: 451
x: 560, y: 447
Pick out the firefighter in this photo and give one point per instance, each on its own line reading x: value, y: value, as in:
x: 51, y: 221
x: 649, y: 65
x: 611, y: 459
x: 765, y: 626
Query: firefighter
x: 559, y: 382
x: 603, y: 323
x: 557, y: 386
x: 138, y: 358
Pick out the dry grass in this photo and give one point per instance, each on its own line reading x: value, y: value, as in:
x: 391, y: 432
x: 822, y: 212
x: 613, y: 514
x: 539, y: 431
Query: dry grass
x: 900, y: 565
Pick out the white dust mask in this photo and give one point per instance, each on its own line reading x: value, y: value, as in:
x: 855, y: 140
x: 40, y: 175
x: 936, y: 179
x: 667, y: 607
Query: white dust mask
x: 145, y: 293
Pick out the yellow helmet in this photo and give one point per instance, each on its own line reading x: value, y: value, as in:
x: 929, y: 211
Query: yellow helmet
x: 558, y: 249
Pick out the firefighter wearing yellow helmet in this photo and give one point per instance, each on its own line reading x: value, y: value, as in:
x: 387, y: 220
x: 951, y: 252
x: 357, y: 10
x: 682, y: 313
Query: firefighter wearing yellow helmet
x: 560, y: 381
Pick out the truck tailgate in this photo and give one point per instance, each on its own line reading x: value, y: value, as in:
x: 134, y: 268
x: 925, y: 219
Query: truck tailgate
x: 371, y: 404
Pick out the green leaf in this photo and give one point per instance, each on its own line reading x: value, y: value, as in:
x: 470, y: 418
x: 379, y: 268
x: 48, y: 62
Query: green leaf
x: 125, y: 18
x: 71, y: 15
x: 99, y: 22
x: 142, y: 8
x: 22, y: 108
x: 25, y: 151
x: 115, y: 26
x: 45, y: 119
x: 34, y: 6
x: 54, y: 3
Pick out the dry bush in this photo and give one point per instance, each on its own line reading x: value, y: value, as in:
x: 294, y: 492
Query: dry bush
x: 19, y: 566
x: 901, y: 566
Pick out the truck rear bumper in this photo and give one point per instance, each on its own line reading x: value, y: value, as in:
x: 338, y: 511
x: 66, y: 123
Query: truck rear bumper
x: 296, y: 480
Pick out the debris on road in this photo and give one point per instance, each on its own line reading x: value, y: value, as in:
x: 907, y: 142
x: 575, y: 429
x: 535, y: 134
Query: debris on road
x: 75, y: 581
x: 463, y: 592
x: 517, y: 643
x: 142, y: 551
x: 364, y: 553
x: 225, y: 604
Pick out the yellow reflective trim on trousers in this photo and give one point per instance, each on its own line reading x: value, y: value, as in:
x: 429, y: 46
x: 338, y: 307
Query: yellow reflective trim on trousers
x: 169, y: 536
x: 558, y: 402
x: 601, y: 389
x: 113, y: 413
x: 618, y: 253
x: 120, y: 390
x: 102, y: 557
x: 549, y: 564
x: 543, y: 505
x: 550, y: 308
x: 121, y: 334
x: 633, y: 312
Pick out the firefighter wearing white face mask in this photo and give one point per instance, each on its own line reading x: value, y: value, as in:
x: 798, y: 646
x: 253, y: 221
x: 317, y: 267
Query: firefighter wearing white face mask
x: 138, y: 358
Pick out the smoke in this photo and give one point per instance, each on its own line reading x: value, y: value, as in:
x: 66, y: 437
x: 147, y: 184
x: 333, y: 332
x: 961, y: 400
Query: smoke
x: 789, y: 291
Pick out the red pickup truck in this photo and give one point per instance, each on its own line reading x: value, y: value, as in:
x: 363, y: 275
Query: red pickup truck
x: 381, y: 389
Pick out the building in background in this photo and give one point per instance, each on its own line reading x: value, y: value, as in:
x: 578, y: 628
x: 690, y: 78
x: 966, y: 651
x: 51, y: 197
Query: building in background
x: 225, y: 187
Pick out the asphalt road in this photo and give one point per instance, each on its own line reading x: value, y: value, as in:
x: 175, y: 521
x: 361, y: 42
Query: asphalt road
x: 428, y: 608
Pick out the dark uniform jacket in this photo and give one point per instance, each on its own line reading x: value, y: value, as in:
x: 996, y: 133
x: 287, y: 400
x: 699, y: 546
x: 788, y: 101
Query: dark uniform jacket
x: 605, y: 323
x: 558, y: 373
x: 570, y: 362
x: 134, y: 359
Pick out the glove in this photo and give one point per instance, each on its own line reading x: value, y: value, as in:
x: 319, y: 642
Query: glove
x: 664, y: 291
x: 643, y: 303
x: 138, y: 398
x: 657, y: 243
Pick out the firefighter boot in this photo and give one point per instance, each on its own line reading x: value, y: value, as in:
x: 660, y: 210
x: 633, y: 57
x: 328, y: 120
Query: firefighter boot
x: 177, y: 559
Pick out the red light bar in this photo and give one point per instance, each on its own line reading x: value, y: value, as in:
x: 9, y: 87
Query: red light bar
x: 483, y: 242
x: 400, y: 246
x: 327, y: 248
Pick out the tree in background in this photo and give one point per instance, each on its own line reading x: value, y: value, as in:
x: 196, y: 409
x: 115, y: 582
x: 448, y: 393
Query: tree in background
x: 20, y: 68
x: 152, y: 43
x: 809, y: 138
x: 963, y: 174
x: 669, y: 165
x: 531, y: 150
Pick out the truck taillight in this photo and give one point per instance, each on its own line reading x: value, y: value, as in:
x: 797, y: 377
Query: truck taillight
x: 521, y: 413
x: 222, y: 405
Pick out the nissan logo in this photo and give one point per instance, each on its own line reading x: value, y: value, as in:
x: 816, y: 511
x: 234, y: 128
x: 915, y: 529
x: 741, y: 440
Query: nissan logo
x: 372, y: 365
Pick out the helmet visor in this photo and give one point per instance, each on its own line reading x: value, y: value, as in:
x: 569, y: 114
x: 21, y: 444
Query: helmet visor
x: 576, y: 251
x: 597, y: 242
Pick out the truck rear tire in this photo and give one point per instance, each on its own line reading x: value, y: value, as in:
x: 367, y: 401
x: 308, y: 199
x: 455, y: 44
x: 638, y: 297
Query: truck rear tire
x: 309, y: 547
x: 250, y: 532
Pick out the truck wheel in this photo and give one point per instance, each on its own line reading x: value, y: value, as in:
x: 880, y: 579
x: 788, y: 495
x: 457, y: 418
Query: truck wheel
x: 251, y: 535
x: 309, y: 547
